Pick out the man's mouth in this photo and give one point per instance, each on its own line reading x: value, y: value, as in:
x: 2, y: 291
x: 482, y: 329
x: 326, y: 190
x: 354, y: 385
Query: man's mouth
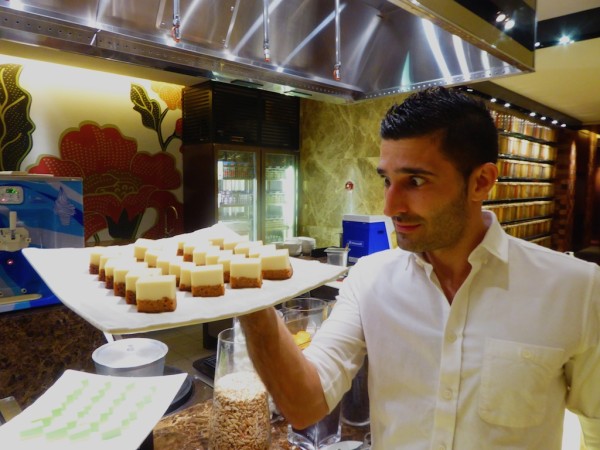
x: 405, y: 227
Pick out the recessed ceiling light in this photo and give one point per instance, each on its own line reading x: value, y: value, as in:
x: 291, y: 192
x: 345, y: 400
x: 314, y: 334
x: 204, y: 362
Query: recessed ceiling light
x: 564, y: 40
x: 507, y: 105
x: 493, y: 100
x: 500, y: 17
x: 543, y: 117
x: 554, y: 122
x: 532, y: 114
x: 509, y: 25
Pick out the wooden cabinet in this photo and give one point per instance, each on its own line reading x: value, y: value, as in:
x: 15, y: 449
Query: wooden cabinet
x: 523, y: 197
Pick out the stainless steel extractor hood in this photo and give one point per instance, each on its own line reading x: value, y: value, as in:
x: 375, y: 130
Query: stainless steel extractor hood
x: 377, y: 47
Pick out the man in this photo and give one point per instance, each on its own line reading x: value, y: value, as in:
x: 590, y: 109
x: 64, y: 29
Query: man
x: 476, y: 340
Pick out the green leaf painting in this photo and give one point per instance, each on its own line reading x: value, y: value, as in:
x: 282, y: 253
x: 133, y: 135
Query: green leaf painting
x: 151, y: 112
x: 16, y: 126
x: 149, y: 109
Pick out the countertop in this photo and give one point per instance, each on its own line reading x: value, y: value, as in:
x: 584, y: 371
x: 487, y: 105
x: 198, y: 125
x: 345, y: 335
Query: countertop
x: 187, y: 427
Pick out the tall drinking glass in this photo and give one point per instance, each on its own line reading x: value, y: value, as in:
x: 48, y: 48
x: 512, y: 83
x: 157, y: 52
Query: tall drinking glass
x: 303, y: 317
x: 355, y: 402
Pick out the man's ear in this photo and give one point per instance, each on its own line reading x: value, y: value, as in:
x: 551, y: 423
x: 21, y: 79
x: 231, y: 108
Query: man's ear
x: 482, y: 181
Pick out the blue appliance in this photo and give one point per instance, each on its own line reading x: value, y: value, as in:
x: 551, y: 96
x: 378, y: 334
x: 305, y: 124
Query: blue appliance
x: 35, y: 211
x: 366, y: 234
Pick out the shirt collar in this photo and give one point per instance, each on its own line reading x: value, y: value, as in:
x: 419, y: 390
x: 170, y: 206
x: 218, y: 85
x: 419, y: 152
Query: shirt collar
x: 495, y: 243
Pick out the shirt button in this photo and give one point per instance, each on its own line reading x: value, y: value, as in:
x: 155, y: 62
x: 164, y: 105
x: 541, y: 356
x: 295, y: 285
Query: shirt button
x: 447, y: 394
x: 526, y: 354
x: 452, y: 337
x: 441, y: 447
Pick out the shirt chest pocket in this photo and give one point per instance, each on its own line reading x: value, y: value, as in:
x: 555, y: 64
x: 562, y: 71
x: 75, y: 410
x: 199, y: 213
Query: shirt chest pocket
x: 515, y: 379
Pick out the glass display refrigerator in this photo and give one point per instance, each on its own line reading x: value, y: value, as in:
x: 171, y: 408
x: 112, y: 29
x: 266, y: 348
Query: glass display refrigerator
x: 280, y: 196
x: 251, y: 190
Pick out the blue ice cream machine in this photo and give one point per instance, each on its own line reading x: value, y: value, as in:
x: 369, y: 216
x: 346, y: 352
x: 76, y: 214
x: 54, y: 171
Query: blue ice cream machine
x: 40, y: 211
x: 366, y: 234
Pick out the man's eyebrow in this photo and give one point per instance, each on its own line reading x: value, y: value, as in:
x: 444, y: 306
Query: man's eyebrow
x: 407, y: 171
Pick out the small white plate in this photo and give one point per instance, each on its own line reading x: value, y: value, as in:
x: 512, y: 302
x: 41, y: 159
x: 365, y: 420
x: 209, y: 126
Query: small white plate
x: 344, y: 445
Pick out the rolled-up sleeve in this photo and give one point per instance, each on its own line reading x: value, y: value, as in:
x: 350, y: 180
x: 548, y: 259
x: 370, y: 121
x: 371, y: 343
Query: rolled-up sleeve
x: 338, y: 348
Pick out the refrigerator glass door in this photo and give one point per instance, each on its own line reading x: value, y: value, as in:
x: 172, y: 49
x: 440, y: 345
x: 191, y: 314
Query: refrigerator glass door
x: 237, y: 185
x: 280, y: 196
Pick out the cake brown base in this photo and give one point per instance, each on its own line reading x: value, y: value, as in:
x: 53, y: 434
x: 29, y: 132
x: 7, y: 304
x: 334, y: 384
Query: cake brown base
x: 185, y: 287
x: 226, y: 277
x: 94, y: 268
x: 188, y: 258
x: 281, y: 274
x: 109, y: 282
x: 130, y: 297
x: 179, y: 252
x: 156, y: 306
x: 119, y: 289
x: 208, y: 291
x: 243, y: 282
x: 101, y: 275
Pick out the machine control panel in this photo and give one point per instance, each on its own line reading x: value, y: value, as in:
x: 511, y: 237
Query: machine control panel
x: 11, y: 195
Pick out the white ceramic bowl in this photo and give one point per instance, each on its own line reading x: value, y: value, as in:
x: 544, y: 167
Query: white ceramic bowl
x: 294, y: 247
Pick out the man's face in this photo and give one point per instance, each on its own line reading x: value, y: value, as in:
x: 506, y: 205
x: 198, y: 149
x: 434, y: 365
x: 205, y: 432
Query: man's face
x: 425, y: 195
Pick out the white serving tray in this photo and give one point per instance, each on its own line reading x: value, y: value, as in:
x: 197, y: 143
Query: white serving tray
x: 88, y: 411
x: 65, y: 271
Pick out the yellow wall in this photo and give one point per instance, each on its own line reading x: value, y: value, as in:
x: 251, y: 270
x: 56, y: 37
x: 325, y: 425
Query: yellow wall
x: 62, y: 100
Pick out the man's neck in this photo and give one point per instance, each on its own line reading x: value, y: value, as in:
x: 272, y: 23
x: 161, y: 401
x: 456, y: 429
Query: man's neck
x: 451, y: 265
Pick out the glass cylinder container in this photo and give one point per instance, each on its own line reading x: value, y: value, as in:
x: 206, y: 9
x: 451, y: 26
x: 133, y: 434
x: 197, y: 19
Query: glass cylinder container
x: 240, y: 416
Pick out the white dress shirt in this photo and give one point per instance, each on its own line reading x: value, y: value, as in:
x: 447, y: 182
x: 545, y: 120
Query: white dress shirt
x: 494, y: 370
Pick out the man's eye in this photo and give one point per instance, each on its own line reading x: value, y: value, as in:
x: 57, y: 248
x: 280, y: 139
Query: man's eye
x: 386, y: 182
x: 417, y: 181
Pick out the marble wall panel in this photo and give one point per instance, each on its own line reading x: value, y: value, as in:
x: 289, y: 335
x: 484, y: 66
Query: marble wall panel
x: 340, y: 143
x: 38, y: 345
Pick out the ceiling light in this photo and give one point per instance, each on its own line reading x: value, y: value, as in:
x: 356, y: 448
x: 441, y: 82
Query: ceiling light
x: 563, y: 125
x: 537, y: 44
x: 493, y: 100
x: 564, y: 40
x: 509, y: 24
x: 554, y: 122
x: 532, y: 114
x: 500, y: 17
x: 543, y: 117
x: 507, y: 105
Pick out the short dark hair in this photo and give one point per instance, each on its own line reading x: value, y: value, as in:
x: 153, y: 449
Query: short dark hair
x: 468, y: 134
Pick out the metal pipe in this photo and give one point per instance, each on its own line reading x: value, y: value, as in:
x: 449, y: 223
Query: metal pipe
x: 176, y: 30
x: 337, y: 76
x: 266, y: 49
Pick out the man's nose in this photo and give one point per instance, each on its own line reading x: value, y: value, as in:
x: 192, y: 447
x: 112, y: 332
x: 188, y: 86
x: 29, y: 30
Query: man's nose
x: 394, y: 201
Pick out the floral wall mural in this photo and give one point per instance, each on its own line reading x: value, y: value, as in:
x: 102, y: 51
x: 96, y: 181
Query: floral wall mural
x: 124, y: 142
x: 120, y: 182
x: 15, y: 125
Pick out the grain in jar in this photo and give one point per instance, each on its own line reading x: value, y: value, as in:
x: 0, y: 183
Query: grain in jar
x: 240, y: 416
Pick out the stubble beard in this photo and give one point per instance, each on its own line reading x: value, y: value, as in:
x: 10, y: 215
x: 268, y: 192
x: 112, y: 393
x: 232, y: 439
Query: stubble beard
x: 443, y: 229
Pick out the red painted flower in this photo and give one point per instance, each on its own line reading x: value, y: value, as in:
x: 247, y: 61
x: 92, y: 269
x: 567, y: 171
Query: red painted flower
x: 119, y: 183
